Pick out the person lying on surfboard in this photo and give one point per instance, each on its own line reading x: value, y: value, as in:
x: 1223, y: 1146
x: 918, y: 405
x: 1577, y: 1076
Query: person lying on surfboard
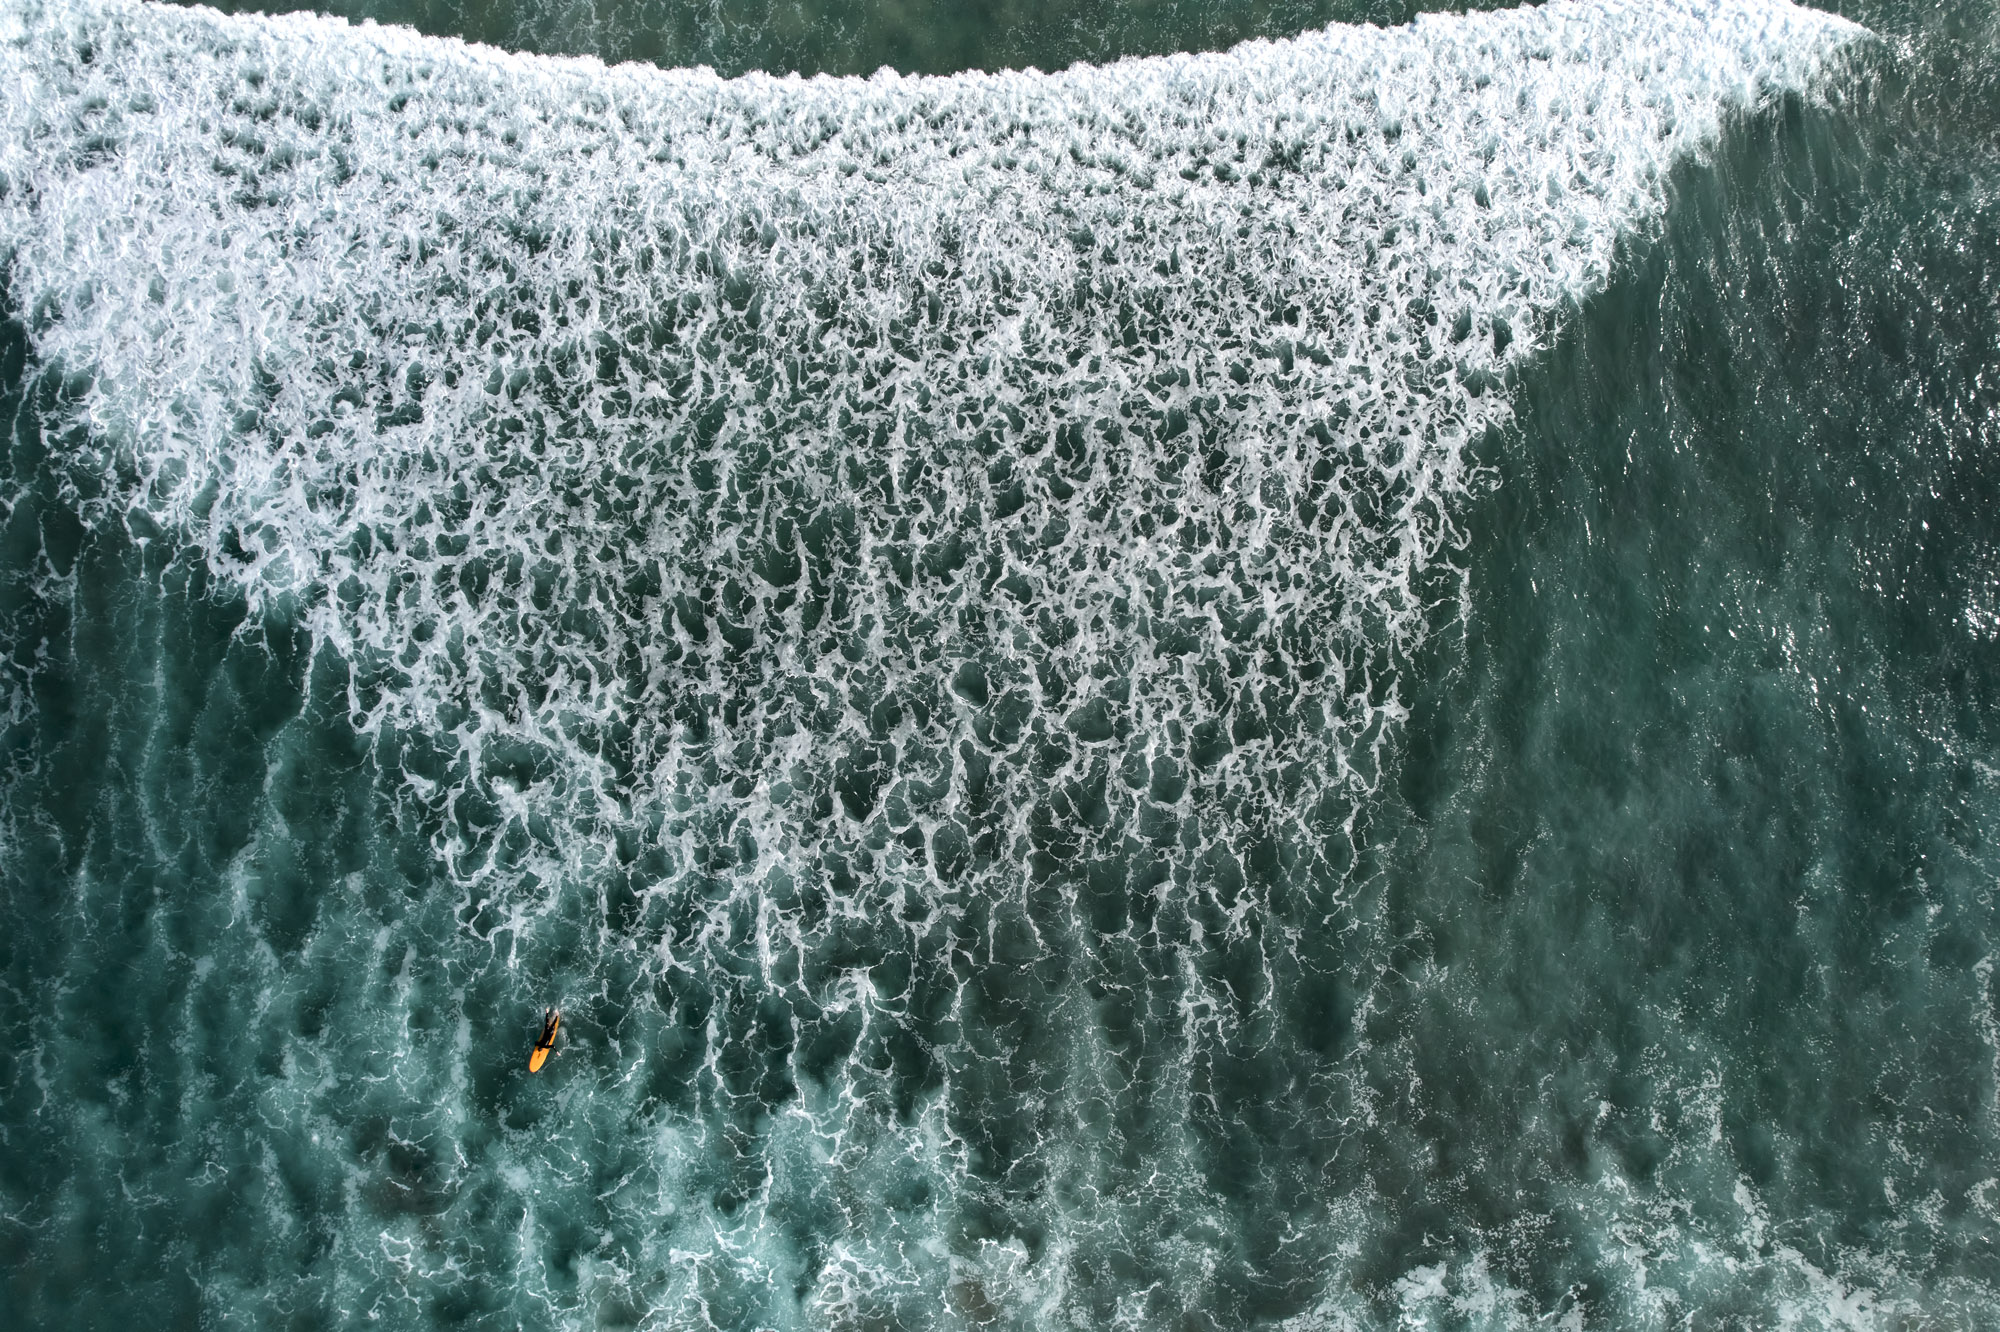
x: 545, y: 1042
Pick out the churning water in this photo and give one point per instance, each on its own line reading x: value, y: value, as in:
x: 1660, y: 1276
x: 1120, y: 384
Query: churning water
x: 1353, y: 683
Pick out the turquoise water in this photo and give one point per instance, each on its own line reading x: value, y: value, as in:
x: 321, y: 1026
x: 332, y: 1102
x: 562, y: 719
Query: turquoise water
x: 1346, y: 685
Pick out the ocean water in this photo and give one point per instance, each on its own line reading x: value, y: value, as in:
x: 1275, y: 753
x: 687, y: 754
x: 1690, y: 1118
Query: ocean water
x: 1344, y: 682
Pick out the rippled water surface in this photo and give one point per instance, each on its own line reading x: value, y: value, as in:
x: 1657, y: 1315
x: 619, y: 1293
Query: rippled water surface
x: 1351, y: 682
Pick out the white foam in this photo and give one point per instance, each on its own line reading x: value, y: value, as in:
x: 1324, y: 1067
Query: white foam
x: 262, y: 239
x: 487, y: 368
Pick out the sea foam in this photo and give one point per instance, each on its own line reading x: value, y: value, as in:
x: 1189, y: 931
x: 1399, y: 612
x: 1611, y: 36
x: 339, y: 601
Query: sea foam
x: 549, y: 394
x: 856, y: 528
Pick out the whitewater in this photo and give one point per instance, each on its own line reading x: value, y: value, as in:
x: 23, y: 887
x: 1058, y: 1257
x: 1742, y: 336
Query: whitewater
x: 892, y: 599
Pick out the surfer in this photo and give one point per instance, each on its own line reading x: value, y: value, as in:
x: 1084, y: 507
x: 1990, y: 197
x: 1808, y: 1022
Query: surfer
x: 545, y: 1042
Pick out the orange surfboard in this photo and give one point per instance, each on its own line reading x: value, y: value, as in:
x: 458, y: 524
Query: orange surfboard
x: 546, y: 1042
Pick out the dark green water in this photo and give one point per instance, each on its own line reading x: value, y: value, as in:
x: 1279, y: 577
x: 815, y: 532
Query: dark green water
x: 843, y: 37
x: 1356, y: 689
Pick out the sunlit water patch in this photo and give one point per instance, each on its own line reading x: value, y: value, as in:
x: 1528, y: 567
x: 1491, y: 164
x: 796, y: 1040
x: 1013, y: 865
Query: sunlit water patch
x: 891, y: 599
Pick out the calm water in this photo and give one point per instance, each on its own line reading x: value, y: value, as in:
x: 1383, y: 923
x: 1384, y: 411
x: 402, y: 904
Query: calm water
x: 1352, y: 684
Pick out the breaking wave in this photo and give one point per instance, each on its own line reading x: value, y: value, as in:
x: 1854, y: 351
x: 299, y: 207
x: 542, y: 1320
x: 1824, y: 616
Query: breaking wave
x: 932, y: 561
